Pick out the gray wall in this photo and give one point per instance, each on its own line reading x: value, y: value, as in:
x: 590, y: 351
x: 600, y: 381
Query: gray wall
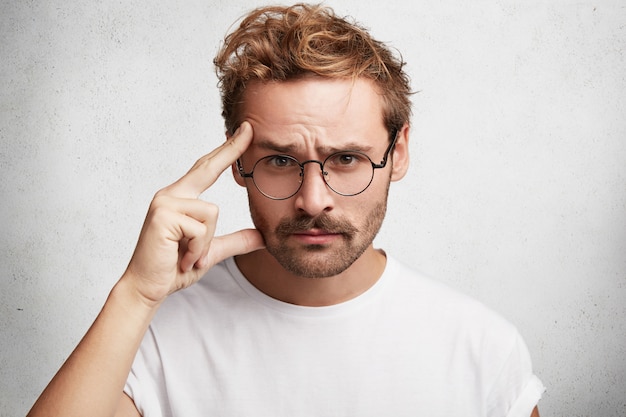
x: 516, y: 194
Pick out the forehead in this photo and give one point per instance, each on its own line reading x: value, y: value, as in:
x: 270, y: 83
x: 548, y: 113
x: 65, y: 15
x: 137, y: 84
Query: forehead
x: 314, y: 109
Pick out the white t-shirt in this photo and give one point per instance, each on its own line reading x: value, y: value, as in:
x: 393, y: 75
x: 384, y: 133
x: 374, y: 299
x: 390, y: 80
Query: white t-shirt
x: 408, y: 346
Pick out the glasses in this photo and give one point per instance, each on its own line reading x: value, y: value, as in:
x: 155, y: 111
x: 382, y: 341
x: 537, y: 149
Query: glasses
x: 347, y: 173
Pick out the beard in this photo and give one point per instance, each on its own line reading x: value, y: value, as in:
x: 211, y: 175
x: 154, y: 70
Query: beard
x: 319, y: 260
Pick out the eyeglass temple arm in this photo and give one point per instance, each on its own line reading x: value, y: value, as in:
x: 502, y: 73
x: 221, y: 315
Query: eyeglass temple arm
x: 389, y: 148
x: 241, y: 171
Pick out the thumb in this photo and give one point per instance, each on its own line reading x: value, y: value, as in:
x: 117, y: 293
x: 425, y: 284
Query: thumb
x: 237, y: 243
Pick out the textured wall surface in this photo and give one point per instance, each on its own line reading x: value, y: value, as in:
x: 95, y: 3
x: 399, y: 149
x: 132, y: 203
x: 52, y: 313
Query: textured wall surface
x: 516, y: 194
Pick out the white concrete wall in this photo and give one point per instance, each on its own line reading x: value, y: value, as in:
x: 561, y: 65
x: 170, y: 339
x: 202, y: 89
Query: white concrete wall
x: 516, y: 195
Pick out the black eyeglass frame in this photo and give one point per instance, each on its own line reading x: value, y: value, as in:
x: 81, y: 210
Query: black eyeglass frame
x: 382, y: 164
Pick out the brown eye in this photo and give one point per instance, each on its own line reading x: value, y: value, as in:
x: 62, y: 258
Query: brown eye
x: 345, y: 160
x: 279, y: 161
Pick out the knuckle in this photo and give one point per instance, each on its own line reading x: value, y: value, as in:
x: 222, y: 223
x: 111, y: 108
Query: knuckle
x: 159, y: 212
x: 209, y: 167
x: 159, y: 202
x: 212, y: 210
x: 159, y: 198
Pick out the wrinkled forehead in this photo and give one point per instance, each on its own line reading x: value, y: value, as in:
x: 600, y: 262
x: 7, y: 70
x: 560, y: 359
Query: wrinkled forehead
x: 314, y: 108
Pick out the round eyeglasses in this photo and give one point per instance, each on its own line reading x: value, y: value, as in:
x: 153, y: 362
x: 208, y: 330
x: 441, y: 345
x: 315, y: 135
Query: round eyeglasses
x: 347, y: 173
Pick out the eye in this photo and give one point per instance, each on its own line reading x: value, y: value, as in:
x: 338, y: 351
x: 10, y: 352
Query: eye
x: 279, y: 161
x: 346, y: 160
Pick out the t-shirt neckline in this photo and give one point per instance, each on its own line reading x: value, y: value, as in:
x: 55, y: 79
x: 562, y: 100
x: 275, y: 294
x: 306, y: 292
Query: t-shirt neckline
x: 292, y: 309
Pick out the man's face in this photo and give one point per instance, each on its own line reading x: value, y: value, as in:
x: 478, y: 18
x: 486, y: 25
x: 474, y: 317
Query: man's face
x: 317, y: 232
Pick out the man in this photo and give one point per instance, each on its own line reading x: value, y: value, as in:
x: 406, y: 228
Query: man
x: 302, y: 315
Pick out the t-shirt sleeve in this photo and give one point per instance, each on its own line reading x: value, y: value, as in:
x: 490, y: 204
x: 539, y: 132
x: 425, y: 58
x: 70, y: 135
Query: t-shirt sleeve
x: 143, y: 379
x: 516, y: 389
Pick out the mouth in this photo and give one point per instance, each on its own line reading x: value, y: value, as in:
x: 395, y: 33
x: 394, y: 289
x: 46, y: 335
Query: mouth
x: 320, y: 231
x: 316, y: 236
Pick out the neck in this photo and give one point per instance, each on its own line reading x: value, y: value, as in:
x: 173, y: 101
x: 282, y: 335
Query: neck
x: 263, y: 271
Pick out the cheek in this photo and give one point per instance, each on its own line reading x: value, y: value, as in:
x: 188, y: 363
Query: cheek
x: 376, y: 192
x: 266, y: 213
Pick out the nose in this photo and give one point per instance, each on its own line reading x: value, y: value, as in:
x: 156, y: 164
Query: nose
x: 314, y: 196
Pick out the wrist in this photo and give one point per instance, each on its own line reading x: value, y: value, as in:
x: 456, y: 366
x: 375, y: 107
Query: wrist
x: 126, y: 294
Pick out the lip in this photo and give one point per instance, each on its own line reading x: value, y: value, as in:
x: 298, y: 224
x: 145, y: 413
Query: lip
x: 316, y: 236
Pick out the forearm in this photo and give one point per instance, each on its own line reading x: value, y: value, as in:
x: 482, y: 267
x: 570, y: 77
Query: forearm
x: 92, y: 379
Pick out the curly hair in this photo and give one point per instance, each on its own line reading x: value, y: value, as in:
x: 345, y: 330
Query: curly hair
x: 284, y: 43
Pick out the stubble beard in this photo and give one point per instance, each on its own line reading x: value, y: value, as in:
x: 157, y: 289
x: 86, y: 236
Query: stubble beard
x: 320, y: 261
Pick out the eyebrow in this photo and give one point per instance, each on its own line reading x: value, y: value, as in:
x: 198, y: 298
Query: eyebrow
x: 323, y: 150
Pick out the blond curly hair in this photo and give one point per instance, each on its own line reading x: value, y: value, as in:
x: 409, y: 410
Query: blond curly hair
x: 283, y: 43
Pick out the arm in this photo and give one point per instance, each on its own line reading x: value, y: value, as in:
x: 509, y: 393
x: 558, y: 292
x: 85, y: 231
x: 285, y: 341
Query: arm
x: 175, y: 248
x: 126, y: 408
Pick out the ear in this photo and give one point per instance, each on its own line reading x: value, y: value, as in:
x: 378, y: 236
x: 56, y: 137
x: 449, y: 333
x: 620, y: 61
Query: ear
x: 400, y: 155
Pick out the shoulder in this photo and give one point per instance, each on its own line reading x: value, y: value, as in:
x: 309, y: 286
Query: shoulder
x: 444, y: 308
x: 408, y: 283
x: 471, y: 336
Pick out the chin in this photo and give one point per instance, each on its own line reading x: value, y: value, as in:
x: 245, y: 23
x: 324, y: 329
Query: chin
x: 316, y: 261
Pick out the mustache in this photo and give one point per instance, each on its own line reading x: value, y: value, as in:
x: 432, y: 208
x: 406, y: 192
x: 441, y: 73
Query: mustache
x: 324, y: 222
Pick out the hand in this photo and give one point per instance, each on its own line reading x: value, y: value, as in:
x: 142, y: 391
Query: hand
x: 177, y: 244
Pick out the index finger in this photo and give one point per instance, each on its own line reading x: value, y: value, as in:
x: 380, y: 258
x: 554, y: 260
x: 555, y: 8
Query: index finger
x: 208, y: 168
